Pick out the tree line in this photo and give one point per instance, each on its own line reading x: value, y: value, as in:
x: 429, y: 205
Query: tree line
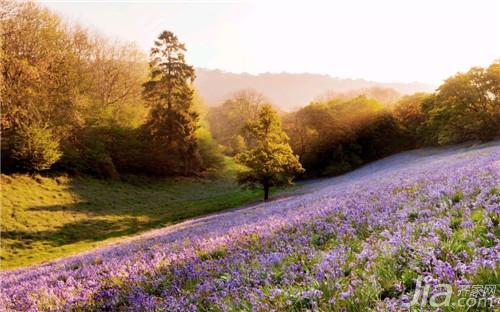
x: 77, y: 102
x: 339, y: 132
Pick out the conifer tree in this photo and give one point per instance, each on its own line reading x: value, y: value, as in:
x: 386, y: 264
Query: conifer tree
x: 172, y: 121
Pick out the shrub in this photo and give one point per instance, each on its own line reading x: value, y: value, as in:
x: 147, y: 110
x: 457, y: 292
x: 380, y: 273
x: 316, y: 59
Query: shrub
x: 35, y: 148
x: 104, y: 152
x: 238, y: 144
x: 210, y: 151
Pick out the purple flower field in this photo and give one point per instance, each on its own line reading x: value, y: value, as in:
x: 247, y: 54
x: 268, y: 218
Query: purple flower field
x: 358, y: 243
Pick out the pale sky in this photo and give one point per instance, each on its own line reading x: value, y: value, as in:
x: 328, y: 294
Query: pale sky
x: 386, y: 41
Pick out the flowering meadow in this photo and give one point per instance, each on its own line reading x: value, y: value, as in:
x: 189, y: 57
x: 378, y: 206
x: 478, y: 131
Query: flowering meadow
x: 356, y: 244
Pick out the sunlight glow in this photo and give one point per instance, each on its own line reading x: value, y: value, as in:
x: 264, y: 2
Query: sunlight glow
x: 385, y: 40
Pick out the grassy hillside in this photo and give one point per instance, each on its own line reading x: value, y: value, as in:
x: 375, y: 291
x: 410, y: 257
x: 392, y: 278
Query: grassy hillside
x: 47, y: 217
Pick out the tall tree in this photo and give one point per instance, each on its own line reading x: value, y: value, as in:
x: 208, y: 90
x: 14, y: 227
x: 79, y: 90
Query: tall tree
x: 271, y: 161
x: 37, y: 89
x: 35, y: 62
x: 172, y: 121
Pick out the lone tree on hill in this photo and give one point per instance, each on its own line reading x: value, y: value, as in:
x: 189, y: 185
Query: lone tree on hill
x: 270, y: 158
x: 172, y: 120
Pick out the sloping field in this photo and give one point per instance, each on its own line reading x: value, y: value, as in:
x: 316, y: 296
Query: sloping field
x: 357, y: 242
x: 44, y: 218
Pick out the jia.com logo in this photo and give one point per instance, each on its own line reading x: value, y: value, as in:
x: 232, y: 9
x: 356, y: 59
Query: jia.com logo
x: 429, y: 293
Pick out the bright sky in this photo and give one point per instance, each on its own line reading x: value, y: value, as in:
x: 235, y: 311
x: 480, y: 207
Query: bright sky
x: 383, y: 40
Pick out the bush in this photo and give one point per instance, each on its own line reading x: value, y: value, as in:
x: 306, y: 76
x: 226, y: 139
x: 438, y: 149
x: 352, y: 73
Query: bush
x: 210, y: 151
x: 104, y: 152
x: 35, y: 148
x: 108, y: 152
x: 238, y: 144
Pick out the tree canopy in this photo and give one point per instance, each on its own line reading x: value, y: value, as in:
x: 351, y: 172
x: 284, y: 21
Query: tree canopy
x: 465, y: 107
x: 341, y: 134
x: 228, y: 120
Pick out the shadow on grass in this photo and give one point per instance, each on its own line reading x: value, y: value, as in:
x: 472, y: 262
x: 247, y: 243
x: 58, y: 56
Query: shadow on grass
x: 86, y: 230
x: 117, y: 209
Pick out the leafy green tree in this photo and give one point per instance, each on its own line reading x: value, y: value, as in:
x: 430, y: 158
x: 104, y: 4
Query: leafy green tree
x: 37, y: 85
x: 210, y: 151
x: 172, y: 121
x: 465, y: 107
x: 271, y: 161
x: 35, y: 148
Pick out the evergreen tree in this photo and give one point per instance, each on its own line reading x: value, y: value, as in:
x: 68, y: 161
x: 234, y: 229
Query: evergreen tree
x: 270, y: 159
x: 172, y: 121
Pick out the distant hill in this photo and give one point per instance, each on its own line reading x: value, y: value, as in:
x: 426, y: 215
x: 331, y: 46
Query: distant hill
x: 288, y: 91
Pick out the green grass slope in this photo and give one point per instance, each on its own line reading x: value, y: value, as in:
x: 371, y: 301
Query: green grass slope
x: 44, y: 218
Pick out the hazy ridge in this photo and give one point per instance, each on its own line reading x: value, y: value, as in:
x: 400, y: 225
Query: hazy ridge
x: 287, y: 90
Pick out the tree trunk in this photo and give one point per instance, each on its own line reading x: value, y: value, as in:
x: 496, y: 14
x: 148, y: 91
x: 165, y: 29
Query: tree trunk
x: 266, y: 191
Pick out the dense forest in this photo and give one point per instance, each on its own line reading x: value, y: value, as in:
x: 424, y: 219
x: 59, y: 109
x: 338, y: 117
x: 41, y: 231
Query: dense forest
x: 76, y: 102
